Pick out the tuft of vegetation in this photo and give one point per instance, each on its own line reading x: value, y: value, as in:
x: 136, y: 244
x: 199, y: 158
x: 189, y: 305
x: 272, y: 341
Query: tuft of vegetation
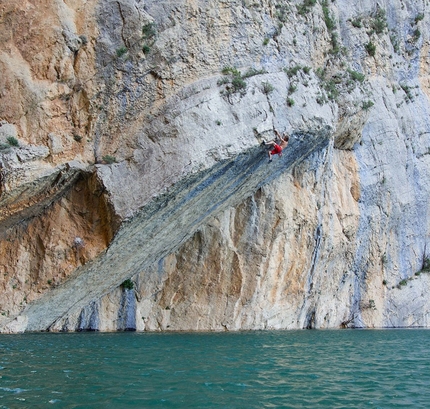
x: 267, y: 88
x: 233, y: 80
x: 356, y: 76
x: 370, y: 48
x: 127, y: 284
x: 109, y: 159
x: 266, y: 41
x: 367, y: 105
x: 328, y: 20
x: 77, y: 137
x: 331, y: 90
x: 282, y: 12
x: 218, y: 122
x: 149, y: 31
x: 408, y: 91
x: 292, y: 89
x: 291, y: 72
x: 307, y: 70
x: 305, y: 7
x: 290, y: 102
x: 419, y: 17
x: 321, y: 73
x: 379, y: 22
x: 12, y: 141
x: 395, y: 43
x: 331, y: 27
x: 252, y: 72
x: 121, y: 51
x: 416, y: 35
x: 356, y: 22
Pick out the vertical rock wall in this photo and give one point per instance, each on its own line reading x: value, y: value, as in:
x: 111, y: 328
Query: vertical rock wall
x: 114, y: 103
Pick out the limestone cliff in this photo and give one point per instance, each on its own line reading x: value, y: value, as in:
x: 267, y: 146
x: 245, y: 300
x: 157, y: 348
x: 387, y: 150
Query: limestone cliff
x: 134, y: 193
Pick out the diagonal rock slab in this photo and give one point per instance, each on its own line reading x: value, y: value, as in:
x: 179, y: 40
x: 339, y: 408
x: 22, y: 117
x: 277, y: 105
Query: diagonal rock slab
x: 164, y: 224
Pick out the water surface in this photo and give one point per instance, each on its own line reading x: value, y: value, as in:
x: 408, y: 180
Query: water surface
x: 274, y: 369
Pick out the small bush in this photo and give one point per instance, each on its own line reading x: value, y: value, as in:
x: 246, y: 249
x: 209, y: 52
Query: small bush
x: 77, y: 138
x: 416, y: 35
x: 233, y: 80
x: 367, y: 105
x: 12, y: 141
x: 306, y: 70
x: 332, y: 91
x: 379, y: 23
x: 290, y: 102
x: 238, y: 84
x: 356, y: 22
x: 291, y: 72
x: 356, y: 76
x: 109, y: 159
x: 291, y: 89
x: 252, y: 72
x: 146, y: 49
x: 305, y: 7
x: 419, y: 17
x: 321, y: 73
x: 370, y: 48
x: 121, y: 51
x: 408, y: 91
x: 266, y: 41
x: 127, y: 284
x: 149, y: 30
x: 230, y: 70
x: 267, y: 88
x: 395, y: 43
x: 282, y: 13
x: 426, y: 265
x: 329, y: 22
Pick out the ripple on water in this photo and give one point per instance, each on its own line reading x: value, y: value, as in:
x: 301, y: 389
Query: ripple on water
x: 295, y: 369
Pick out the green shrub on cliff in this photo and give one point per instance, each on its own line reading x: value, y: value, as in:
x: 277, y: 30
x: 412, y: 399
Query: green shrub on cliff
x: 305, y: 7
x: 12, y: 141
x: 356, y: 76
x: 121, y: 51
x: 233, y: 81
x: 379, y: 22
x: 127, y: 284
x: 370, y: 48
x: 109, y: 159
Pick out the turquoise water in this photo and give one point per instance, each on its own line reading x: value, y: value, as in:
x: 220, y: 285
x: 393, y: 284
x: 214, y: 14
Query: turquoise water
x: 274, y: 369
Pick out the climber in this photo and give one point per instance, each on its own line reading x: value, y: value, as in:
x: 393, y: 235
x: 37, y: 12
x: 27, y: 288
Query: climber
x: 277, y: 149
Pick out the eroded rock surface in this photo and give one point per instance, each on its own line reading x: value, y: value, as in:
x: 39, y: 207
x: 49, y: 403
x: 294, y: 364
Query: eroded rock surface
x: 130, y: 149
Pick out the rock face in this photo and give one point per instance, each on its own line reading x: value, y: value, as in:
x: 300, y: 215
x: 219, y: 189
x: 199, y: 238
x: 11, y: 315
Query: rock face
x: 135, y: 195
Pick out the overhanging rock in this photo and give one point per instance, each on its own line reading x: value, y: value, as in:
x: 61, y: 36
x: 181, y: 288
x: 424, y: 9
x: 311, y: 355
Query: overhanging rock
x: 165, y: 223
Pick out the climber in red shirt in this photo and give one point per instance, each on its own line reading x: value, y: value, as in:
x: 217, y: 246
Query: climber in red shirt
x: 277, y: 149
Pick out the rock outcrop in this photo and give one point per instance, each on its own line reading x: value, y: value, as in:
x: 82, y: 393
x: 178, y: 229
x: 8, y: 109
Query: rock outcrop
x: 134, y: 193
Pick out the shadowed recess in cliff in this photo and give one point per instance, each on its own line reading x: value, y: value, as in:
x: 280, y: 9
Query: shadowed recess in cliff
x: 167, y: 222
